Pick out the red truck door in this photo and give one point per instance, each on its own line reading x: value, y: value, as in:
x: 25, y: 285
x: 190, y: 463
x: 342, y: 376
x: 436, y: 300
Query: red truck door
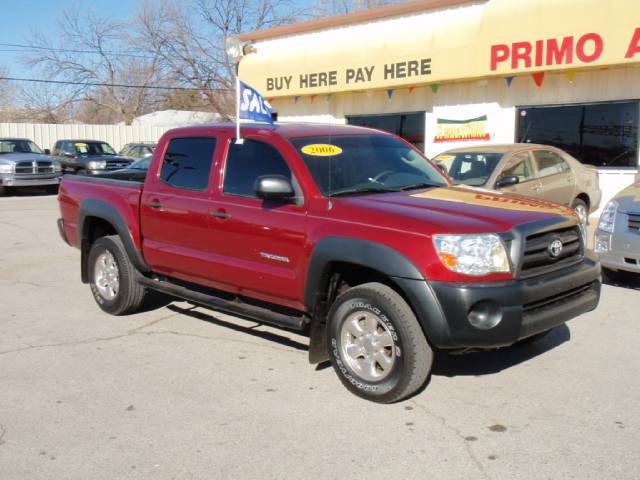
x: 175, y: 206
x: 260, y: 243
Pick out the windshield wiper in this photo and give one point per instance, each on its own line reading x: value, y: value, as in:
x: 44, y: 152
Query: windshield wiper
x: 356, y: 191
x: 415, y: 186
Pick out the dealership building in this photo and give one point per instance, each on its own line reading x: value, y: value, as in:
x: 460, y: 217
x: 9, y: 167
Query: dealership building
x: 451, y: 73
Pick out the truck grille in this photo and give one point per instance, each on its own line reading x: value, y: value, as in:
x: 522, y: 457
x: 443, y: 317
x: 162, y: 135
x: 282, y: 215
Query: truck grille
x: 31, y: 168
x: 538, y: 257
x: 634, y: 222
x: 117, y: 165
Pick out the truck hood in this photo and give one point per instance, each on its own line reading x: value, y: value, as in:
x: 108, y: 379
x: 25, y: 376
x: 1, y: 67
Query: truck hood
x: 629, y: 198
x: 103, y: 158
x: 24, y: 157
x: 455, y: 210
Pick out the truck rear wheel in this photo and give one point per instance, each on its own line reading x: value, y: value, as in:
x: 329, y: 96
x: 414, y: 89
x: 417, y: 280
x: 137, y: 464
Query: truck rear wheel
x: 113, y: 279
x: 376, y: 345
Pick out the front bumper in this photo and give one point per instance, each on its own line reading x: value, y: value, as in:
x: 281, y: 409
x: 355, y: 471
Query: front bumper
x: 524, y: 307
x: 11, y: 180
x: 623, y: 253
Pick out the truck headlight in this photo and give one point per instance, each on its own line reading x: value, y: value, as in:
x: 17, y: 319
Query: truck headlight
x: 608, y: 217
x: 472, y: 254
x: 6, y: 168
x: 96, y: 165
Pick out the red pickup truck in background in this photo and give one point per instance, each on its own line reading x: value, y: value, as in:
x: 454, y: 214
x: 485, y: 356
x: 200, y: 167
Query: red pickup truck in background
x: 347, y: 233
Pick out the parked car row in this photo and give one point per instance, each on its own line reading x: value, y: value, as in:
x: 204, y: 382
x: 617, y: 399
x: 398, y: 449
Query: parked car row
x: 25, y: 164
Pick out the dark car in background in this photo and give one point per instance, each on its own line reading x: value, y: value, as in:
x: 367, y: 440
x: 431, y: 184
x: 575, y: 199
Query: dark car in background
x: 539, y: 171
x: 25, y: 164
x: 137, y: 150
x: 136, y: 172
x: 88, y: 156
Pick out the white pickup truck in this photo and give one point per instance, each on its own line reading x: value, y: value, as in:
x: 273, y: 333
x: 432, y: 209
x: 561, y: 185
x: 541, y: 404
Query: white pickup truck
x: 25, y: 164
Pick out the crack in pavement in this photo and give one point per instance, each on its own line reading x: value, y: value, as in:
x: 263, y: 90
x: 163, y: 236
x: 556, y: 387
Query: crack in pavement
x: 20, y: 227
x: 458, y: 433
x: 138, y: 331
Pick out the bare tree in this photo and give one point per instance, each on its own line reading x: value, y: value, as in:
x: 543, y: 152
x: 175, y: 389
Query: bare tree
x: 192, y: 40
x: 323, y: 8
x: 95, y: 53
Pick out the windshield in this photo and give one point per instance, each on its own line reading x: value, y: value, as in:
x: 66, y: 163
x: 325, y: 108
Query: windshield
x: 469, y: 168
x: 142, y: 164
x: 19, y: 146
x: 365, y: 163
x: 93, y: 148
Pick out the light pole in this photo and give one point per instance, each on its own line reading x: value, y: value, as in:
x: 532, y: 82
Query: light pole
x: 236, y: 49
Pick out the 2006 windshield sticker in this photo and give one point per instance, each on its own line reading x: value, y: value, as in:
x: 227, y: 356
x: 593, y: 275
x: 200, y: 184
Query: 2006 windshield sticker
x: 321, y: 150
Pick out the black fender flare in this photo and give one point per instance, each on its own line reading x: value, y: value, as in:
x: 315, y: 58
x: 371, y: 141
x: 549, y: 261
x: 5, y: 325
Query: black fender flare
x: 402, y: 271
x: 369, y: 254
x: 101, y: 209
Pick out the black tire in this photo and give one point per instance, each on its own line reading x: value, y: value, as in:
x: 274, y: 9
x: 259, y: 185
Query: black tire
x: 2, y: 190
x: 413, y: 356
x: 130, y: 296
x: 579, y: 203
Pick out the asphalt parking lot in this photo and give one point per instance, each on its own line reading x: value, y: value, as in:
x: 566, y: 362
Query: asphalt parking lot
x: 187, y: 393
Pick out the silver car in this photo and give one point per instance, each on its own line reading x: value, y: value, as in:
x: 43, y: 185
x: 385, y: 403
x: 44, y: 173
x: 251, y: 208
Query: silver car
x: 539, y: 171
x: 618, y: 234
x: 24, y: 164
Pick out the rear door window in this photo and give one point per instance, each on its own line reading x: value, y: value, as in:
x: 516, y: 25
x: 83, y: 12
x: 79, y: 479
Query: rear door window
x: 187, y: 163
x: 549, y: 163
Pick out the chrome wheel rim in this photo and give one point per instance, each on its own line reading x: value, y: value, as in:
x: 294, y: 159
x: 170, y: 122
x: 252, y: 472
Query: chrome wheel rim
x: 367, y: 346
x: 581, y: 211
x: 106, y: 277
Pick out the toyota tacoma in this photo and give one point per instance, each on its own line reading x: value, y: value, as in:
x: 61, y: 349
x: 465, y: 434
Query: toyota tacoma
x: 348, y: 234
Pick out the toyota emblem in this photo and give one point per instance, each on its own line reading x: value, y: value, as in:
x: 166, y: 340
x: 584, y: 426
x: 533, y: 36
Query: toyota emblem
x: 555, y: 248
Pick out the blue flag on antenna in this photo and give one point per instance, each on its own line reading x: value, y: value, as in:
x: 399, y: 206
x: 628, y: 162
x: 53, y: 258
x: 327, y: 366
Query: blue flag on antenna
x: 254, y: 106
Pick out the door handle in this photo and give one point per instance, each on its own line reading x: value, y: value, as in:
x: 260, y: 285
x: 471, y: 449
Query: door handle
x: 154, y: 204
x: 220, y: 214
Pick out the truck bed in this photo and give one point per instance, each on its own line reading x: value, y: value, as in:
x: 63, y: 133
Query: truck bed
x: 121, y: 195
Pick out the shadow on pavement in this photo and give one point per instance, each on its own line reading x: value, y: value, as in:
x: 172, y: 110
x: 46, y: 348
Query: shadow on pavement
x: 445, y: 364
x: 27, y: 192
x: 621, y: 279
x: 273, y: 337
x: 493, y: 361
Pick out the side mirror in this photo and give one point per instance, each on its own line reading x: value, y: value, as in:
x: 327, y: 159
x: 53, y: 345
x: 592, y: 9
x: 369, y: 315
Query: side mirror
x: 507, y: 181
x: 47, y: 151
x: 273, y: 187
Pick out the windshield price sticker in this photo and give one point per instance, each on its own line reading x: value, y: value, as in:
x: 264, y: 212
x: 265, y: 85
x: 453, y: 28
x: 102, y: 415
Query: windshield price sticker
x: 321, y: 150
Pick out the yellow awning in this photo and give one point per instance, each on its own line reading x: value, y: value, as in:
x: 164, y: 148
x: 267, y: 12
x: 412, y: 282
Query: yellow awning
x: 501, y: 37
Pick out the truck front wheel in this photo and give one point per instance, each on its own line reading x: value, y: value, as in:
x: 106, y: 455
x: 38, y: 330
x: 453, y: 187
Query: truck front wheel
x: 376, y: 344
x: 113, y: 279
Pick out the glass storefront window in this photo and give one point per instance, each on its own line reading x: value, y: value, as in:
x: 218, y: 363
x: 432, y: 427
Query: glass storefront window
x: 409, y: 126
x: 600, y: 134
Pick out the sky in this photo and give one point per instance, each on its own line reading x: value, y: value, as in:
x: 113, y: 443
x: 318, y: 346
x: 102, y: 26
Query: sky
x: 20, y: 18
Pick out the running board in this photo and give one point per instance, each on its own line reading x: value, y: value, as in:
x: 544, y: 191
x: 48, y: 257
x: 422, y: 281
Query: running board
x: 234, y: 307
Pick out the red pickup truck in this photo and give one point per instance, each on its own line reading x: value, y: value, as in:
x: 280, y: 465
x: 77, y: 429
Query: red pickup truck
x: 346, y: 233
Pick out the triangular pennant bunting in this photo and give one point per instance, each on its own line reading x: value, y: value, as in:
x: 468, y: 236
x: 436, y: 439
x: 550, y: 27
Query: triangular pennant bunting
x: 435, y: 87
x: 296, y: 98
x: 389, y: 92
x: 509, y: 80
x: 571, y: 75
x: 411, y: 90
x: 538, y: 77
x: 312, y: 98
